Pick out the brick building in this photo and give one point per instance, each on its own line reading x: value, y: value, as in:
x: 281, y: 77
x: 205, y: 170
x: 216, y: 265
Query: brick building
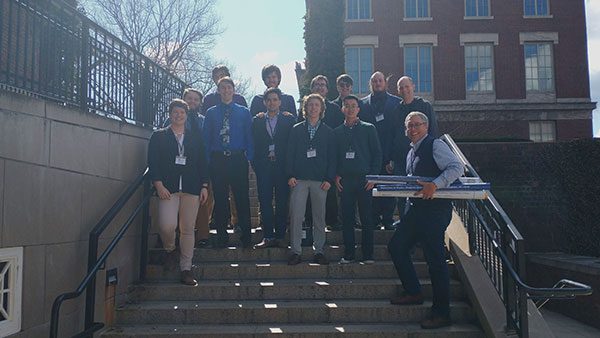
x: 494, y: 69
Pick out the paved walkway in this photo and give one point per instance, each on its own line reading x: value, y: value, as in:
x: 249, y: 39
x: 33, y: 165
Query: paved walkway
x: 565, y: 327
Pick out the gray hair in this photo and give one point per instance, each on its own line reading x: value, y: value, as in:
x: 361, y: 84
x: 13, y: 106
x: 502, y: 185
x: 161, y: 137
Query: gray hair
x: 420, y: 115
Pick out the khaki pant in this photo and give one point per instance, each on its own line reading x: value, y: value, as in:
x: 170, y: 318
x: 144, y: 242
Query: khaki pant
x: 205, y: 211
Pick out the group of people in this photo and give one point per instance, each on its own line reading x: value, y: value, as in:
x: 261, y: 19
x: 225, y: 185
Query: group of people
x: 318, y: 158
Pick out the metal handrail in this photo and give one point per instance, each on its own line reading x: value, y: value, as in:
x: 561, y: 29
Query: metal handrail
x: 501, y: 241
x: 96, y: 263
x: 561, y: 284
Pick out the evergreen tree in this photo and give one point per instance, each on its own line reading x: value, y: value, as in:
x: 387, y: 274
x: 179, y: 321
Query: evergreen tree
x: 324, y: 42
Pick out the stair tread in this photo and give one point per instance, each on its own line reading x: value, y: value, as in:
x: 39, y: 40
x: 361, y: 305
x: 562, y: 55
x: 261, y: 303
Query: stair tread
x: 271, y: 304
x: 270, y: 282
x: 252, y: 329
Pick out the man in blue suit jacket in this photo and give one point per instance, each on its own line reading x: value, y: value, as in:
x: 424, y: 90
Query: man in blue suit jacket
x: 380, y: 108
x: 270, y: 133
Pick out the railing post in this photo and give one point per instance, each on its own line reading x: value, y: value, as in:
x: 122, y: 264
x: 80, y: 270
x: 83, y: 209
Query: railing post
x: 84, y: 67
x: 90, y: 292
x: 145, y: 227
x: 524, y: 319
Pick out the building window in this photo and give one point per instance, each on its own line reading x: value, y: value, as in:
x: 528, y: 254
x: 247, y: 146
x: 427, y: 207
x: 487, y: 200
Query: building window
x: 415, y: 9
x: 11, y: 279
x: 418, y: 65
x: 542, y: 131
x: 479, y: 68
x: 536, y: 8
x: 358, y: 9
x: 359, y: 65
x: 538, y: 67
x: 477, y: 8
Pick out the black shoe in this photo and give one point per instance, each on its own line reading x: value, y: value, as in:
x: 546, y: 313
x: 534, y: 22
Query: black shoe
x: 320, y: 259
x: 389, y: 227
x: 187, y: 278
x: 267, y: 243
x: 294, y: 259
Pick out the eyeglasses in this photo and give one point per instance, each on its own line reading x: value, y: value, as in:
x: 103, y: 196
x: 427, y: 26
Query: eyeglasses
x: 414, y: 125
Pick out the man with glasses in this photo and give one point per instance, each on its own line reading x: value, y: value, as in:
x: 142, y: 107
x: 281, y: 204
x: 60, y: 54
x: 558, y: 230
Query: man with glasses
x: 344, y: 85
x: 425, y: 220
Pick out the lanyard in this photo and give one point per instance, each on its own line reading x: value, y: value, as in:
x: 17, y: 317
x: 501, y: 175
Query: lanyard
x: 180, y: 146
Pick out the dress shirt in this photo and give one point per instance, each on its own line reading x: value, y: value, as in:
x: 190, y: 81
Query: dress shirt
x: 445, y: 159
x: 240, y: 132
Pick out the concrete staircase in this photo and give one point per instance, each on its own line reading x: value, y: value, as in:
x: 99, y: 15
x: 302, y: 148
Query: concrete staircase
x: 254, y: 293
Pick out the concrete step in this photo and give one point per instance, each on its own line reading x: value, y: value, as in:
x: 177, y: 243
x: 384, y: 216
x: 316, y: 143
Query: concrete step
x: 281, y: 289
x: 280, y: 311
x: 333, y: 237
x: 280, y: 269
x: 234, y: 254
x: 338, y: 329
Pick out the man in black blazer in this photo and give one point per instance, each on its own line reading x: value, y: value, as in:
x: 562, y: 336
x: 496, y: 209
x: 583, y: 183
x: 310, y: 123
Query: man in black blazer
x: 270, y: 133
x: 380, y: 108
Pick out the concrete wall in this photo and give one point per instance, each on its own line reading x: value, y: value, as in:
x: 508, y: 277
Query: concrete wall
x: 60, y: 170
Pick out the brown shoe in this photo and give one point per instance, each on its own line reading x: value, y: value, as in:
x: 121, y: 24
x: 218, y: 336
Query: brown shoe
x: 320, y: 259
x: 406, y: 299
x: 187, y: 278
x: 294, y: 259
x: 436, y: 322
x: 267, y: 243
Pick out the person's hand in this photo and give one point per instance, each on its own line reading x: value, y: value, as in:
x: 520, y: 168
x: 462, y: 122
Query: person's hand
x: 428, y: 189
x: 338, y: 183
x: 292, y: 182
x: 287, y: 113
x: 325, y: 185
x: 369, y: 186
x: 260, y: 115
x: 163, y: 193
x: 389, y: 168
x: 203, y: 195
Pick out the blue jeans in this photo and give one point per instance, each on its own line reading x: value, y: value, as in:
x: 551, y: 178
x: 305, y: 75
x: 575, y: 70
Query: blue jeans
x: 271, y: 178
x: 427, y: 226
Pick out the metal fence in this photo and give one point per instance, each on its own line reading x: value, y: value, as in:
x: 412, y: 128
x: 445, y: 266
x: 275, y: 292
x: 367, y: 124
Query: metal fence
x: 49, y: 49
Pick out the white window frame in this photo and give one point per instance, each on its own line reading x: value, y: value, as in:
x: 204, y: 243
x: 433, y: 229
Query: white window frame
x: 537, y: 14
x: 418, y: 18
x: 369, y: 19
x: 357, y: 81
x: 14, y: 267
x: 416, y: 78
x: 479, y: 91
x: 538, y: 134
x: 477, y: 16
x: 552, y: 89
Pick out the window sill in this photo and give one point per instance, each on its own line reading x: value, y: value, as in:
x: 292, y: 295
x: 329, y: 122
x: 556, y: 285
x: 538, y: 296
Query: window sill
x: 359, y: 20
x: 538, y: 16
x: 478, y: 17
x: 419, y: 19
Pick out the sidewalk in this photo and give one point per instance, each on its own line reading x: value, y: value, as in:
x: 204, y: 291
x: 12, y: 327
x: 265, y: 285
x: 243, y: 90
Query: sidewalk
x: 565, y: 327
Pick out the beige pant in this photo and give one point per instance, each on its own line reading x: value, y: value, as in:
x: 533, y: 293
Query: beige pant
x: 186, y: 206
x: 203, y: 219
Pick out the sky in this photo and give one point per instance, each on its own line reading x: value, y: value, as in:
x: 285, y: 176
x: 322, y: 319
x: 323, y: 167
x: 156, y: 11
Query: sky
x: 260, y: 32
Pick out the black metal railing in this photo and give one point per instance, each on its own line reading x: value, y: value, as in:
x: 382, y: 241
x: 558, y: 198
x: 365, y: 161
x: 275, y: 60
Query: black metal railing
x: 49, y: 49
x: 96, y: 263
x: 501, y: 249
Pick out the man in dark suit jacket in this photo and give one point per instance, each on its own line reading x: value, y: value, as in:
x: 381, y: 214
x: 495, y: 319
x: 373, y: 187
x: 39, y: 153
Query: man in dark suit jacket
x: 380, y: 108
x: 270, y: 133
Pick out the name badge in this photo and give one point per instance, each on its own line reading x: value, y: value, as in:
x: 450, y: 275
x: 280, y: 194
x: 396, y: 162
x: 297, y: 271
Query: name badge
x: 379, y: 118
x: 180, y: 160
x: 311, y: 153
x: 350, y: 155
x: 223, y: 131
x: 271, y: 147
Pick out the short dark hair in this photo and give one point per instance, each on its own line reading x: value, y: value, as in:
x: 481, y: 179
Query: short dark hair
x: 178, y: 103
x: 317, y: 78
x: 350, y: 97
x: 226, y: 79
x: 272, y: 90
x: 268, y: 69
x: 344, y: 78
x: 220, y: 68
x: 192, y: 90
